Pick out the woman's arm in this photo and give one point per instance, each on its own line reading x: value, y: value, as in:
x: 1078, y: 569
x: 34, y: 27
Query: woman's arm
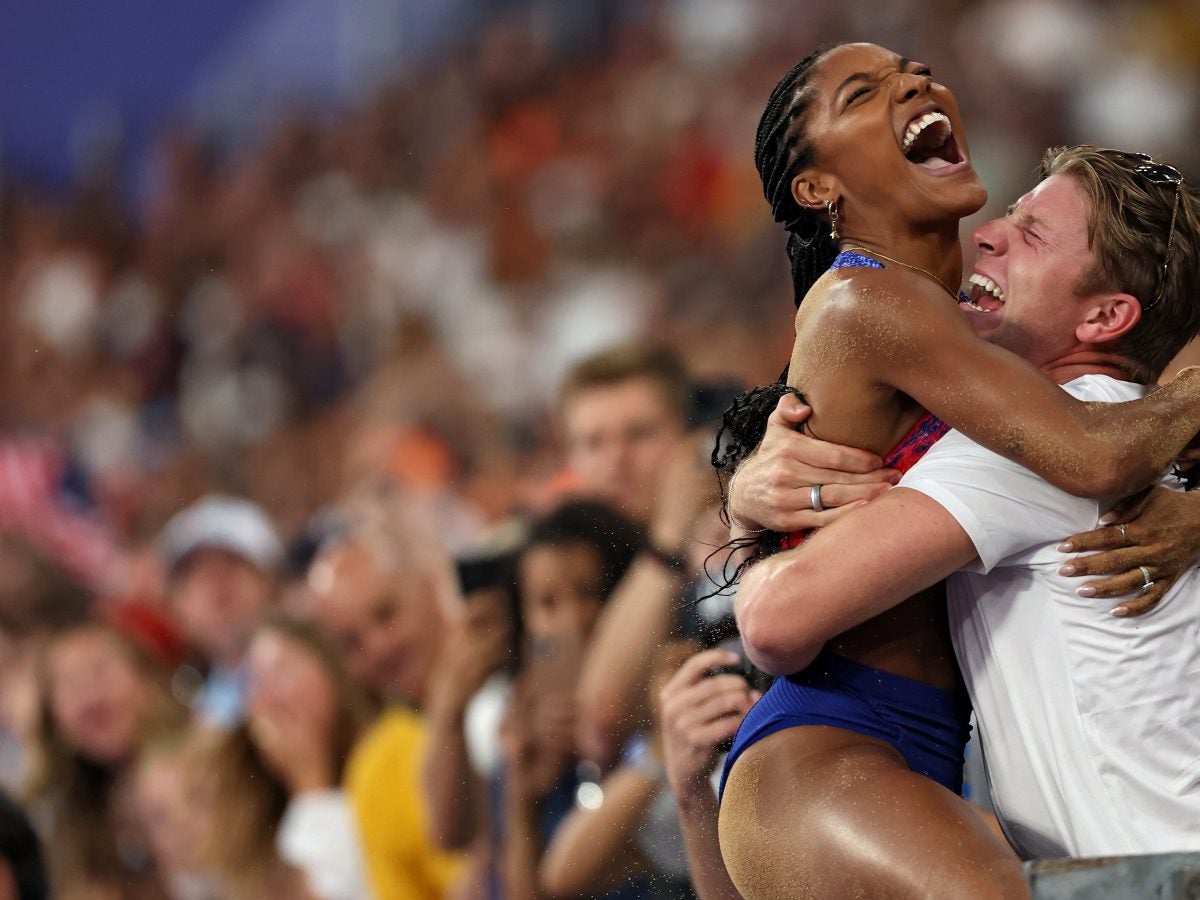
x: 1159, y: 530
x: 923, y: 346
x: 594, y: 848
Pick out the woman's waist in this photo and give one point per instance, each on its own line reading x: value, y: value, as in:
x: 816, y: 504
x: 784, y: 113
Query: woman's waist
x: 911, y: 640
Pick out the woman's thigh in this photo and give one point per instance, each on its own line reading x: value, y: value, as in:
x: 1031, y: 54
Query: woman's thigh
x: 812, y: 813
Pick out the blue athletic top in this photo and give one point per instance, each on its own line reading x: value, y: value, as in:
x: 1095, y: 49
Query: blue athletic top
x: 929, y: 726
x: 848, y: 259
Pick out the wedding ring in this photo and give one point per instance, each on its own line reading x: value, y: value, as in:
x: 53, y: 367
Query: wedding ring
x: 814, y: 494
x: 1124, y: 536
x: 1147, y: 581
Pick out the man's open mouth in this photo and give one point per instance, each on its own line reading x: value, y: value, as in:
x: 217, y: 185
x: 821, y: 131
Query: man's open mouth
x: 929, y: 141
x: 985, y: 296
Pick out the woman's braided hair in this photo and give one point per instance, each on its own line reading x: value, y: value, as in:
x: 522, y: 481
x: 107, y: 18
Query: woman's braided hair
x: 781, y: 150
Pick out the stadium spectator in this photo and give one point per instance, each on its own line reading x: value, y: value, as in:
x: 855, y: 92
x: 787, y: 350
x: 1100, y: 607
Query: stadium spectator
x: 22, y: 874
x: 382, y: 590
x: 574, y: 559
x: 625, y: 415
x: 279, y: 811
x: 103, y: 697
x: 222, y: 555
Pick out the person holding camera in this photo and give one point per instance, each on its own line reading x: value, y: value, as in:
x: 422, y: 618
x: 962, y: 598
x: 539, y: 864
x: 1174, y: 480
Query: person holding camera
x: 700, y: 708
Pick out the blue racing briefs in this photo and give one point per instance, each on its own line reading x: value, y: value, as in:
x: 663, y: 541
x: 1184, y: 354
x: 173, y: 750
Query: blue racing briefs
x: 929, y: 726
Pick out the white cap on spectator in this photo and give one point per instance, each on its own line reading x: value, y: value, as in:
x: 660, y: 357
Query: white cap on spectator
x: 226, y: 523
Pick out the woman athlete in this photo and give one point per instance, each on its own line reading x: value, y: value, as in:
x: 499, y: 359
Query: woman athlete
x: 863, y: 142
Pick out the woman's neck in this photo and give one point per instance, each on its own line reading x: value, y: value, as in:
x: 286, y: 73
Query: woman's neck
x: 937, y: 252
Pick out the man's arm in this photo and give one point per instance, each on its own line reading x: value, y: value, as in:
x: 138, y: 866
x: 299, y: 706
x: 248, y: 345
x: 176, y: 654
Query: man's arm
x: 771, y: 489
x: 698, y: 712
x: 790, y: 604
x: 477, y: 645
x: 640, y: 614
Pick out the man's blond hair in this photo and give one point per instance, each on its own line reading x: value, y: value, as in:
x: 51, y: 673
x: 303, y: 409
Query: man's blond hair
x: 1129, y: 222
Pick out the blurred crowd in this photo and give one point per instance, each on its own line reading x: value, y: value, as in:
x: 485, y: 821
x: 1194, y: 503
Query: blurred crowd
x: 352, y: 529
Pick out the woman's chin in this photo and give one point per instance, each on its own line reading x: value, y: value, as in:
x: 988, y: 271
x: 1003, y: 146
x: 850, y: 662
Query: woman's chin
x: 964, y: 198
x: 976, y: 199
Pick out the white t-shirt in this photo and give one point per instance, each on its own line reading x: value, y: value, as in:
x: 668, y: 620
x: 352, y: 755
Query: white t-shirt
x: 1090, y: 723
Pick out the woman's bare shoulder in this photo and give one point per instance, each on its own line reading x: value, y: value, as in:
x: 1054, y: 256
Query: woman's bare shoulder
x: 877, y: 305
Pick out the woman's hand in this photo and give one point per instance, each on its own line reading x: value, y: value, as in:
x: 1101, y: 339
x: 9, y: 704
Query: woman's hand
x: 537, y: 741
x: 295, y: 743
x: 772, y: 489
x: 1158, y: 529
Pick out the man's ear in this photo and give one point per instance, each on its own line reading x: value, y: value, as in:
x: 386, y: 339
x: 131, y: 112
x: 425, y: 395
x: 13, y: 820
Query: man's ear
x: 813, y: 189
x: 1110, y: 317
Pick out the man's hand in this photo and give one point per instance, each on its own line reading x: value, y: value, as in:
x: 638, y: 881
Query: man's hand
x: 1158, y: 529
x: 772, y: 489
x: 698, y: 713
x: 480, y: 641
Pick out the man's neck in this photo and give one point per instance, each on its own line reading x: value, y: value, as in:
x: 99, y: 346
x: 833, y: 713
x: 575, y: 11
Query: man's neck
x: 1088, y: 361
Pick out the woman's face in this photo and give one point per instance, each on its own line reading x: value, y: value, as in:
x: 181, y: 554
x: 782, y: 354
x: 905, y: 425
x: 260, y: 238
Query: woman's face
x: 287, y: 679
x: 174, y: 807
x: 560, y: 591
x: 97, y: 696
x: 889, y: 143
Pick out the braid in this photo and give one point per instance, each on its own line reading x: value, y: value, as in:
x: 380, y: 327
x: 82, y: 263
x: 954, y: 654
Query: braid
x: 781, y: 149
x: 744, y: 423
x: 742, y: 427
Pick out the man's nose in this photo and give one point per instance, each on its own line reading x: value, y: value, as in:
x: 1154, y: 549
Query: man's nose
x: 990, y: 238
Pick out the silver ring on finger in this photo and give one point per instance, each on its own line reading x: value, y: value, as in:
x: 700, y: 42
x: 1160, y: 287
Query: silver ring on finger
x: 814, y: 494
x: 1124, y: 536
x: 1147, y: 581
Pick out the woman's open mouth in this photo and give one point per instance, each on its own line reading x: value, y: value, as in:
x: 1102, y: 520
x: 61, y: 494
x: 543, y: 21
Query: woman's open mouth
x: 929, y: 142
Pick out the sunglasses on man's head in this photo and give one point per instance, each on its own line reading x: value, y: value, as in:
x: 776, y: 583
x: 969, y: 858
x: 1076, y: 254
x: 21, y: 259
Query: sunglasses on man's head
x: 1160, y: 173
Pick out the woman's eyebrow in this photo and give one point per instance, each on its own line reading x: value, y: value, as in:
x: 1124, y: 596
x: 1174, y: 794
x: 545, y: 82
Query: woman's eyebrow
x: 902, y: 63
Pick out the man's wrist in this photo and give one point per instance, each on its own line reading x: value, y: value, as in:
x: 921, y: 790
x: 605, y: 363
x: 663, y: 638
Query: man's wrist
x: 448, y: 702
x: 741, y: 522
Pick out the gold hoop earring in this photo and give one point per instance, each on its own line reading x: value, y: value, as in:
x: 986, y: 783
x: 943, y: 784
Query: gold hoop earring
x: 831, y: 208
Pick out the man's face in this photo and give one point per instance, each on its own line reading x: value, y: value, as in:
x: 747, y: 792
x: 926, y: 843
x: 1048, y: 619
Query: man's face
x: 219, y: 598
x: 619, y: 439
x: 1035, y: 256
x: 388, y: 624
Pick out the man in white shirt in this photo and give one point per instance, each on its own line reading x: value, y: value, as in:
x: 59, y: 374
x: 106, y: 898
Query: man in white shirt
x: 1089, y: 719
